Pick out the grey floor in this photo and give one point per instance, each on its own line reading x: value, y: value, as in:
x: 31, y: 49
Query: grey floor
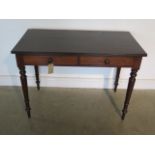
x: 76, y: 112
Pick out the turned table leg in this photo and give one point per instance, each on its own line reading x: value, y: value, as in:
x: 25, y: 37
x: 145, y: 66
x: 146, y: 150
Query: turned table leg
x: 117, y: 78
x: 37, y: 77
x: 23, y: 79
x: 131, y: 83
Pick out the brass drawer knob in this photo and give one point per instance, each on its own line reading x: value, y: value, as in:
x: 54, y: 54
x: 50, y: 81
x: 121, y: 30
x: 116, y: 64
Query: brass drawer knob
x: 50, y: 61
x: 106, y: 61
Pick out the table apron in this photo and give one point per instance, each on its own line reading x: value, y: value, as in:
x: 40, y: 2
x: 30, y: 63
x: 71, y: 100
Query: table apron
x: 84, y: 60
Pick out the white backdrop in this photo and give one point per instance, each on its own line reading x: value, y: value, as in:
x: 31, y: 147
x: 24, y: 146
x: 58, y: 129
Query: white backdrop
x: 84, y: 77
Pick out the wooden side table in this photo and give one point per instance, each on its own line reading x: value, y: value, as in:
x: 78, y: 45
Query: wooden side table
x: 78, y: 48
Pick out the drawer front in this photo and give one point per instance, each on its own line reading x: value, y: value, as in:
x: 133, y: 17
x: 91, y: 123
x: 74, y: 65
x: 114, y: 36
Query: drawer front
x: 56, y: 60
x: 107, y: 61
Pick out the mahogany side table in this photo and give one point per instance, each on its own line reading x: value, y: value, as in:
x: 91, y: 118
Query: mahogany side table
x: 78, y: 48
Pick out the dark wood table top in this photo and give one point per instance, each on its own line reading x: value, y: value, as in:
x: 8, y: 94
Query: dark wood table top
x: 108, y: 43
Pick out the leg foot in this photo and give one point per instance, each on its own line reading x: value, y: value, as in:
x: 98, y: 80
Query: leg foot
x: 123, y: 116
x: 117, y: 78
x: 28, y: 112
x: 23, y: 79
x: 37, y: 77
x: 131, y: 83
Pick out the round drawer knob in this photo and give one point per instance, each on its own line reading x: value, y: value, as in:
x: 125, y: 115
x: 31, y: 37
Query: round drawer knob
x: 106, y: 61
x: 50, y: 60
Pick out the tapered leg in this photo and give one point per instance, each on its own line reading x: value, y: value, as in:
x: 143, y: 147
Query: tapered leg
x: 37, y: 77
x: 131, y: 83
x: 23, y: 79
x: 117, y: 78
